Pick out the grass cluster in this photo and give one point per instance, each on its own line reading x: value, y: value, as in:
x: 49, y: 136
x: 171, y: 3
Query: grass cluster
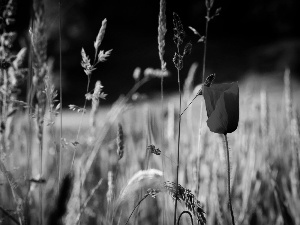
x: 131, y: 163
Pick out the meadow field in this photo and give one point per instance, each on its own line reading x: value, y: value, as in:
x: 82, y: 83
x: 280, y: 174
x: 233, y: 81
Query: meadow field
x: 143, y: 158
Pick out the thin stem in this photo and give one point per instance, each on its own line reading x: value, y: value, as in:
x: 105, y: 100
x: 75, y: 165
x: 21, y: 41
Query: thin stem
x: 41, y: 172
x: 81, y: 119
x: 187, y: 212
x: 228, y: 178
x: 189, y: 105
x: 84, y: 106
x: 162, y: 142
x: 201, y: 104
x: 178, y: 143
x: 136, y: 207
x: 60, y: 87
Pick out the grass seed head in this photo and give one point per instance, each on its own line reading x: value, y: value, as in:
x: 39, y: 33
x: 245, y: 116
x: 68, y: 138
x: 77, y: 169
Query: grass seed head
x: 179, y: 32
x: 153, y: 150
x: 185, y: 195
x: 100, y: 35
x: 162, y: 30
x: 120, y: 142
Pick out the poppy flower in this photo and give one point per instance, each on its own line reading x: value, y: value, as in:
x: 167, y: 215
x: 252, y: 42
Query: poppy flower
x: 222, y: 106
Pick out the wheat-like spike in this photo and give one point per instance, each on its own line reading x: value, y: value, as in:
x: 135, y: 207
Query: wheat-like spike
x: 188, y: 198
x: 120, y: 142
x: 162, y: 30
x: 110, y: 183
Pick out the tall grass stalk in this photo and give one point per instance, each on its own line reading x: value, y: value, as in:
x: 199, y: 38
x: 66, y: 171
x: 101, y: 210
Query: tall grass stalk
x: 179, y: 35
x: 162, y: 30
x: 201, y: 103
x: 178, y: 141
x: 89, y: 68
x: 100, y: 56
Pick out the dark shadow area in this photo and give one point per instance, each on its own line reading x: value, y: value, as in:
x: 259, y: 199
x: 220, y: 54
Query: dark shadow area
x: 259, y: 36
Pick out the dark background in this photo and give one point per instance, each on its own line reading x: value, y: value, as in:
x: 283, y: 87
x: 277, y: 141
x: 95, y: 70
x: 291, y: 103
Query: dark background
x: 249, y: 36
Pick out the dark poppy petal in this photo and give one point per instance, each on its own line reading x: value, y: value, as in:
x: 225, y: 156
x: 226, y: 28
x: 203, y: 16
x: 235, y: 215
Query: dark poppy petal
x: 217, y: 122
x: 212, y: 94
x: 231, y: 97
x: 222, y: 105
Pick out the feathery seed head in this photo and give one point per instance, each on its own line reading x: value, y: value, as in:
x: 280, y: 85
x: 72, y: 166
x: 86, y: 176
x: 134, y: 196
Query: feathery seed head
x: 86, y: 63
x: 100, y: 35
x: 153, y: 150
x: 102, y: 56
x: 179, y: 32
x: 178, y: 61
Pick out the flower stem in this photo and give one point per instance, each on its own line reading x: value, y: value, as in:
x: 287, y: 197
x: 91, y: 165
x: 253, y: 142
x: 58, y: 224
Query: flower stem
x: 136, y: 207
x: 79, y: 128
x: 178, y: 144
x: 228, y: 178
